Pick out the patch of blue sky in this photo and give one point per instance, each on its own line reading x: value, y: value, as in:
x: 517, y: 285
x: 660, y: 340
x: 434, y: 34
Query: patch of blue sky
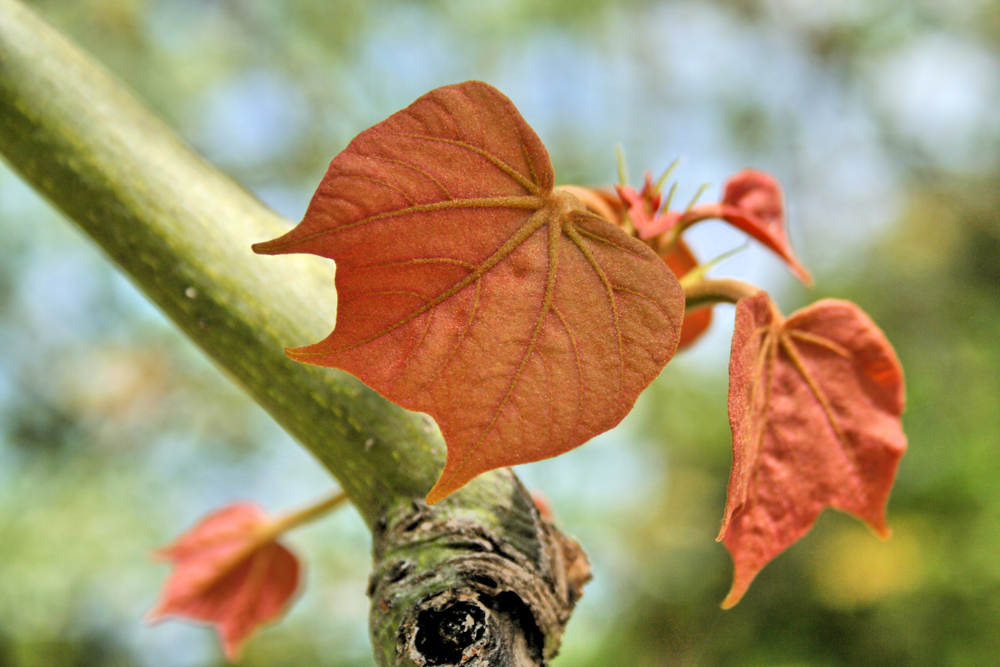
x: 942, y: 92
x: 250, y: 119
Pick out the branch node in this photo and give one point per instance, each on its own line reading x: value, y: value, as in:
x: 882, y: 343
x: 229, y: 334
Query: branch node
x: 456, y: 587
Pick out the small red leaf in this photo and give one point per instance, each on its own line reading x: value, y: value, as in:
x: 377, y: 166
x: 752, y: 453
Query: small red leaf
x: 642, y: 207
x: 815, y: 405
x: 230, y: 573
x: 468, y: 289
x: 752, y: 201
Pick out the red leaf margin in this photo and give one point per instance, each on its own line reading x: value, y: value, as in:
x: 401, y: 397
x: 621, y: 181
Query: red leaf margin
x: 678, y: 256
x: 681, y: 261
x: 815, y: 406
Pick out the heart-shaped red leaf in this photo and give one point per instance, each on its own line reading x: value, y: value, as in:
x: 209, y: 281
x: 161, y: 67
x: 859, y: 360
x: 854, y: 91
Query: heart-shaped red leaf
x: 469, y: 290
x: 815, y: 404
x: 230, y: 573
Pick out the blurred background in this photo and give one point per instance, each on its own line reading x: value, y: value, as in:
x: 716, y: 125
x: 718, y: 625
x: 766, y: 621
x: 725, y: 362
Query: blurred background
x: 880, y: 117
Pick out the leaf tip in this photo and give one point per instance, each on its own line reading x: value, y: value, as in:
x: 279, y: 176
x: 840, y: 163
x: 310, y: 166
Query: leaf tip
x: 154, y: 615
x: 731, y: 600
x: 741, y: 582
x: 445, y: 486
x: 307, y: 354
x: 881, y: 530
x: 734, y: 507
x: 436, y: 495
x: 457, y: 473
x: 801, y: 273
x: 264, y: 247
x: 232, y: 647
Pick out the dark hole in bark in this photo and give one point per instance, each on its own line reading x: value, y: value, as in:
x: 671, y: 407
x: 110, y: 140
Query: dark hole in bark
x: 485, y: 580
x: 443, y: 635
x: 510, y: 603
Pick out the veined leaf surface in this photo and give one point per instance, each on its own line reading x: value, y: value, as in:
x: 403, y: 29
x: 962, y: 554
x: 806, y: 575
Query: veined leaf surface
x: 815, y: 404
x: 470, y: 290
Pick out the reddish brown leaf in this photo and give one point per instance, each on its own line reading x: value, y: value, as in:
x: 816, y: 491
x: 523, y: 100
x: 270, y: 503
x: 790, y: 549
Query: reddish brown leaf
x: 815, y: 403
x: 229, y: 572
x: 696, y: 322
x: 752, y: 201
x: 604, y: 203
x: 468, y: 289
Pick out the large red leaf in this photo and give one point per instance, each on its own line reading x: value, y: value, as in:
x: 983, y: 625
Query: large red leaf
x: 814, y: 403
x: 230, y: 572
x: 468, y: 289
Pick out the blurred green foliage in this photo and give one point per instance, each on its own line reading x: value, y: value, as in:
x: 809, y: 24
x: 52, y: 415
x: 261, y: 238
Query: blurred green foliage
x: 878, y: 116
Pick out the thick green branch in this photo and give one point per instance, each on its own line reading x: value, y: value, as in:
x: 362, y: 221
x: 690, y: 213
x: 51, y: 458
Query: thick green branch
x: 182, y: 232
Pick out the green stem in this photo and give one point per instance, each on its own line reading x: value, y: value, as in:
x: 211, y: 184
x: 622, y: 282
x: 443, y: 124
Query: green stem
x: 711, y: 291
x: 285, y: 522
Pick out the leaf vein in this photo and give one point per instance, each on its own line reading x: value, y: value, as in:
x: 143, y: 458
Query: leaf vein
x: 789, y: 348
x: 576, y: 358
x: 420, y: 260
x: 571, y: 231
x: 807, y: 337
x: 515, y: 202
x: 553, y: 247
x: 423, y: 172
x: 516, y: 239
x: 526, y: 183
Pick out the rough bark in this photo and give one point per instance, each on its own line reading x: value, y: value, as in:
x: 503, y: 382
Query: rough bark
x: 481, y: 584
x: 478, y: 579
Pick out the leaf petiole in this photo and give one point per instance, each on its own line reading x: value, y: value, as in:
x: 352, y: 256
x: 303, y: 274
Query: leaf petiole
x: 711, y: 291
x: 283, y: 523
x: 698, y: 273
